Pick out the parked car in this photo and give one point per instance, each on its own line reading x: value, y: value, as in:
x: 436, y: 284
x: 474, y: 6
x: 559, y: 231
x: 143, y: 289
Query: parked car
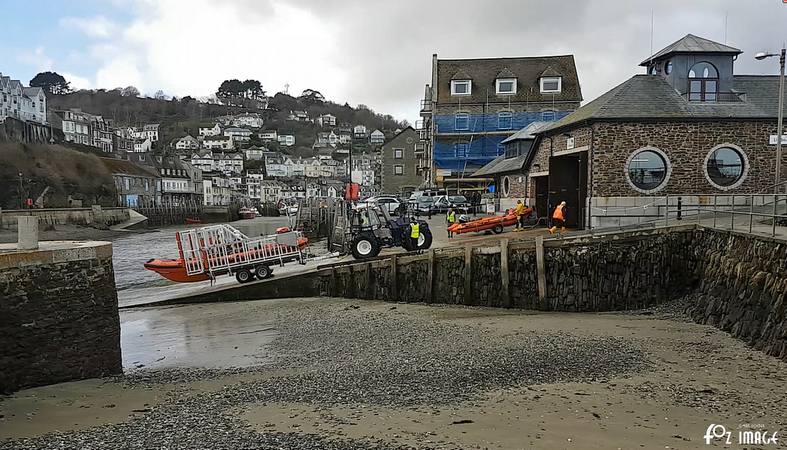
x: 445, y: 202
x: 423, y: 206
x: 387, y: 202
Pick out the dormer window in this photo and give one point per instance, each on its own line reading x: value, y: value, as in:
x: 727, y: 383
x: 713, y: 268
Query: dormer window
x: 703, y: 82
x: 505, y: 86
x: 461, y: 87
x: 551, y: 85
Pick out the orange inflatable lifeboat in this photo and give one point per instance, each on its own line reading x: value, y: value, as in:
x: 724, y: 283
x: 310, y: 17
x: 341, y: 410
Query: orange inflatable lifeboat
x: 493, y: 223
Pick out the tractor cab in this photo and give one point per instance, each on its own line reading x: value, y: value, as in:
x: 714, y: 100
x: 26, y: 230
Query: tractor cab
x: 372, y: 228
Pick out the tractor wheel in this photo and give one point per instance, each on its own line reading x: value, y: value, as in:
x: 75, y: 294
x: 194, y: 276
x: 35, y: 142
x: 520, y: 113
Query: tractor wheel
x: 497, y: 229
x: 365, y: 246
x: 244, y: 276
x: 262, y: 271
x: 425, y: 240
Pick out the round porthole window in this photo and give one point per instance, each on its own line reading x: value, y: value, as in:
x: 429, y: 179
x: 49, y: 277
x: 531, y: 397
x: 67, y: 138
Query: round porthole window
x: 506, y: 186
x: 648, y: 170
x: 726, y: 166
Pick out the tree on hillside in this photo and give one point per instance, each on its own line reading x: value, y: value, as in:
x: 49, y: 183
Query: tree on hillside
x: 252, y: 89
x: 230, y: 90
x: 160, y: 95
x: 51, y: 82
x: 129, y: 91
x: 311, y: 97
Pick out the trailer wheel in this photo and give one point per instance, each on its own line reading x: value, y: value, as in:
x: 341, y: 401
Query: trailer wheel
x: 243, y: 275
x: 364, y: 246
x: 262, y: 271
x: 498, y: 229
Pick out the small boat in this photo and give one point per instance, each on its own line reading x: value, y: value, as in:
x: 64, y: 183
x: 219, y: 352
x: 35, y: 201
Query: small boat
x: 248, y: 213
x: 265, y: 253
x: 191, y: 221
x: 493, y: 223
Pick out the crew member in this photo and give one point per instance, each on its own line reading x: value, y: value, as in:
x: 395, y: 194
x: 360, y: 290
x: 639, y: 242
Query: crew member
x: 519, y: 211
x: 415, y: 233
x: 559, y: 218
x: 450, y: 219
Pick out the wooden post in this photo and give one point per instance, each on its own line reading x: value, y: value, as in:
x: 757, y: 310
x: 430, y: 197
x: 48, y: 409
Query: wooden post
x: 542, y: 279
x: 369, y: 281
x: 468, y: 275
x: 430, y: 276
x: 504, y: 275
x: 394, y: 287
x: 333, y: 282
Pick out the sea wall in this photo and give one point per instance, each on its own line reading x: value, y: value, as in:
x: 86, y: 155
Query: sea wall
x: 743, y: 288
x: 599, y: 273
x: 62, y: 216
x: 59, y: 314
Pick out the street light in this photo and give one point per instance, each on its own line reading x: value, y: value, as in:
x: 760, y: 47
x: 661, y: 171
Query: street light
x: 760, y: 56
x: 21, y: 195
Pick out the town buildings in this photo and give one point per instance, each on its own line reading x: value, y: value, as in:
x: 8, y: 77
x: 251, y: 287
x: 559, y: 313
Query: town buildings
x: 377, y: 137
x: 326, y: 120
x: 213, y: 130
x: 689, y: 127
x: 400, y: 164
x: 187, y: 142
x: 218, y: 142
x: 27, y: 104
x: 238, y: 134
x: 471, y: 105
x: 286, y: 140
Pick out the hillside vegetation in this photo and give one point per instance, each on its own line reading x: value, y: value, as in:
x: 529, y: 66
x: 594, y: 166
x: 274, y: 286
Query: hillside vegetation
x: 181, y: 116
x: 66, y: 172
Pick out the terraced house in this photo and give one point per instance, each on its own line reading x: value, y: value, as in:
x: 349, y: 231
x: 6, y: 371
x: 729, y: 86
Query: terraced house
x: 472, y: 105
x: 688, y: 127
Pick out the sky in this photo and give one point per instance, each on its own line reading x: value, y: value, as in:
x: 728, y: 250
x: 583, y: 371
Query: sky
x: 371, y: 52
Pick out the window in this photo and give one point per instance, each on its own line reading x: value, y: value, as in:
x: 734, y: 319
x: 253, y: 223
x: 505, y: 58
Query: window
x: 504, y: 120
x: 461, y: 87
x: 551, y: 85
x: 506, y: 186
x: 668, y: 68
x: 398, y: 153
x: 725, y: 166
x: 460, y: 149
x: 703, y: 82
x: 462, y: 121
x: 547, y: 116
x: 506, y: 86
x: 647, y: 169
x: 398, y: 169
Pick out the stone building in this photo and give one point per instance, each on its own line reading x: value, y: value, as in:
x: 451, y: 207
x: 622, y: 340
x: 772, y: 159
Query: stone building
x: 471, y: 105
x: 399, y: 171
x: 688, y: 127
x: 136, y: 185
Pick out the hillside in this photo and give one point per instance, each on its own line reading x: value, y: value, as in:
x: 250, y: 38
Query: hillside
x: 181, y: 116
x: 64, y: 171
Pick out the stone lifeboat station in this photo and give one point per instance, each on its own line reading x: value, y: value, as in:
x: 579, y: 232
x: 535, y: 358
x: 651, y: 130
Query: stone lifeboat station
x: 689, y: 127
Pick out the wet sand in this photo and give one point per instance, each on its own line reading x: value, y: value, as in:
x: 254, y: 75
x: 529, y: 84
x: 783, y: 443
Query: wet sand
x: 696, y: 375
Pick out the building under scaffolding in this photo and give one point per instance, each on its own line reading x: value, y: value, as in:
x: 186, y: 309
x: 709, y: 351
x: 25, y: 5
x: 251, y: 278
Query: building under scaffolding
x: 472, y: 105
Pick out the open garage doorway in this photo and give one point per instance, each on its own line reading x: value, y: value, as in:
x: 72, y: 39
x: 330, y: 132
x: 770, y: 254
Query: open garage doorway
x: 568, y: 182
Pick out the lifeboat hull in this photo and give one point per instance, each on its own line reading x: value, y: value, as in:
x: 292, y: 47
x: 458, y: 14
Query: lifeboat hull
x: 174, y: 270
x: 483, y: 224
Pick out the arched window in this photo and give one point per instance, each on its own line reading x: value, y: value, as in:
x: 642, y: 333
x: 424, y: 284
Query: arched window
x: 703, y: 82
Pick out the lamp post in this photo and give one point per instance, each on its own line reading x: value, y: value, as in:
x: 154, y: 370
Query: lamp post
x: 760, y: 56
x: 21, y: 194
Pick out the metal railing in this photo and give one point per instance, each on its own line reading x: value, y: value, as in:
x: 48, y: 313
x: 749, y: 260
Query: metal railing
x: 752, y: 213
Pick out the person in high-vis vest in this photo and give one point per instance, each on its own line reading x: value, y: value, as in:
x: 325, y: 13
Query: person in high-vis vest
x: 415, y: 233
x: 559, y: 218
x: 519, y: 211
x: 450, y: 219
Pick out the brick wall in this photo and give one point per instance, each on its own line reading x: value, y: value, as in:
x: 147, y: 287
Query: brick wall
x: 59, y: 317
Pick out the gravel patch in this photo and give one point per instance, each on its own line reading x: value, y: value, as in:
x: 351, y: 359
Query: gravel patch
x: 339, y: 353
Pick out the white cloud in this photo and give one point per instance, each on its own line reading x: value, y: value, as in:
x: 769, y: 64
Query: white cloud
x: 37, y: 58
x: 76, y: 81
x: 96, y: 27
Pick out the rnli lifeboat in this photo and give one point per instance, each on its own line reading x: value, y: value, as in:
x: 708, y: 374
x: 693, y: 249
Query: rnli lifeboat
x: 175, y: 269
x: 493, y: 223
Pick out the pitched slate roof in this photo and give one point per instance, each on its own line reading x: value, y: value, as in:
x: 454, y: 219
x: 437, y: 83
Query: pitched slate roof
x: 501, y: 164
x: 644, y: 97
x: 692, y: 44
x: 527, y: 71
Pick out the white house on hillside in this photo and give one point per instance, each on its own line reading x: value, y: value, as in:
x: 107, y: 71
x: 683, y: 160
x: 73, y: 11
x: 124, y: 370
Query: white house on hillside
x: 287, y: 140
x: 251, y: 120
x: 238, y: 134
x: 377, y: 137
x: 268, y: 135
x: 359, y: 132
x: 142, y: 145
x: 214, y: 130
x: 187, y: 143
x: 23, y: 103
x: 218, y: 142
x: 326, y: 120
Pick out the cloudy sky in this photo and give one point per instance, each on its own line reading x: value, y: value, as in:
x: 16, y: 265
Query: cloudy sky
x: 361, y: 51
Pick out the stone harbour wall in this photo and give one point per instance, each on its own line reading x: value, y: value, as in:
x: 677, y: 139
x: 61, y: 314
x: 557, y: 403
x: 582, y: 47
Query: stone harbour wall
x: 62, y: 216
x: 743, y: 288
x: 58, y: 315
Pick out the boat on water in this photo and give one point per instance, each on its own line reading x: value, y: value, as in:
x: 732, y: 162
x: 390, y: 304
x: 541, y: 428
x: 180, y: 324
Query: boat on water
x: 204, y: 253
x: 248, y: 213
